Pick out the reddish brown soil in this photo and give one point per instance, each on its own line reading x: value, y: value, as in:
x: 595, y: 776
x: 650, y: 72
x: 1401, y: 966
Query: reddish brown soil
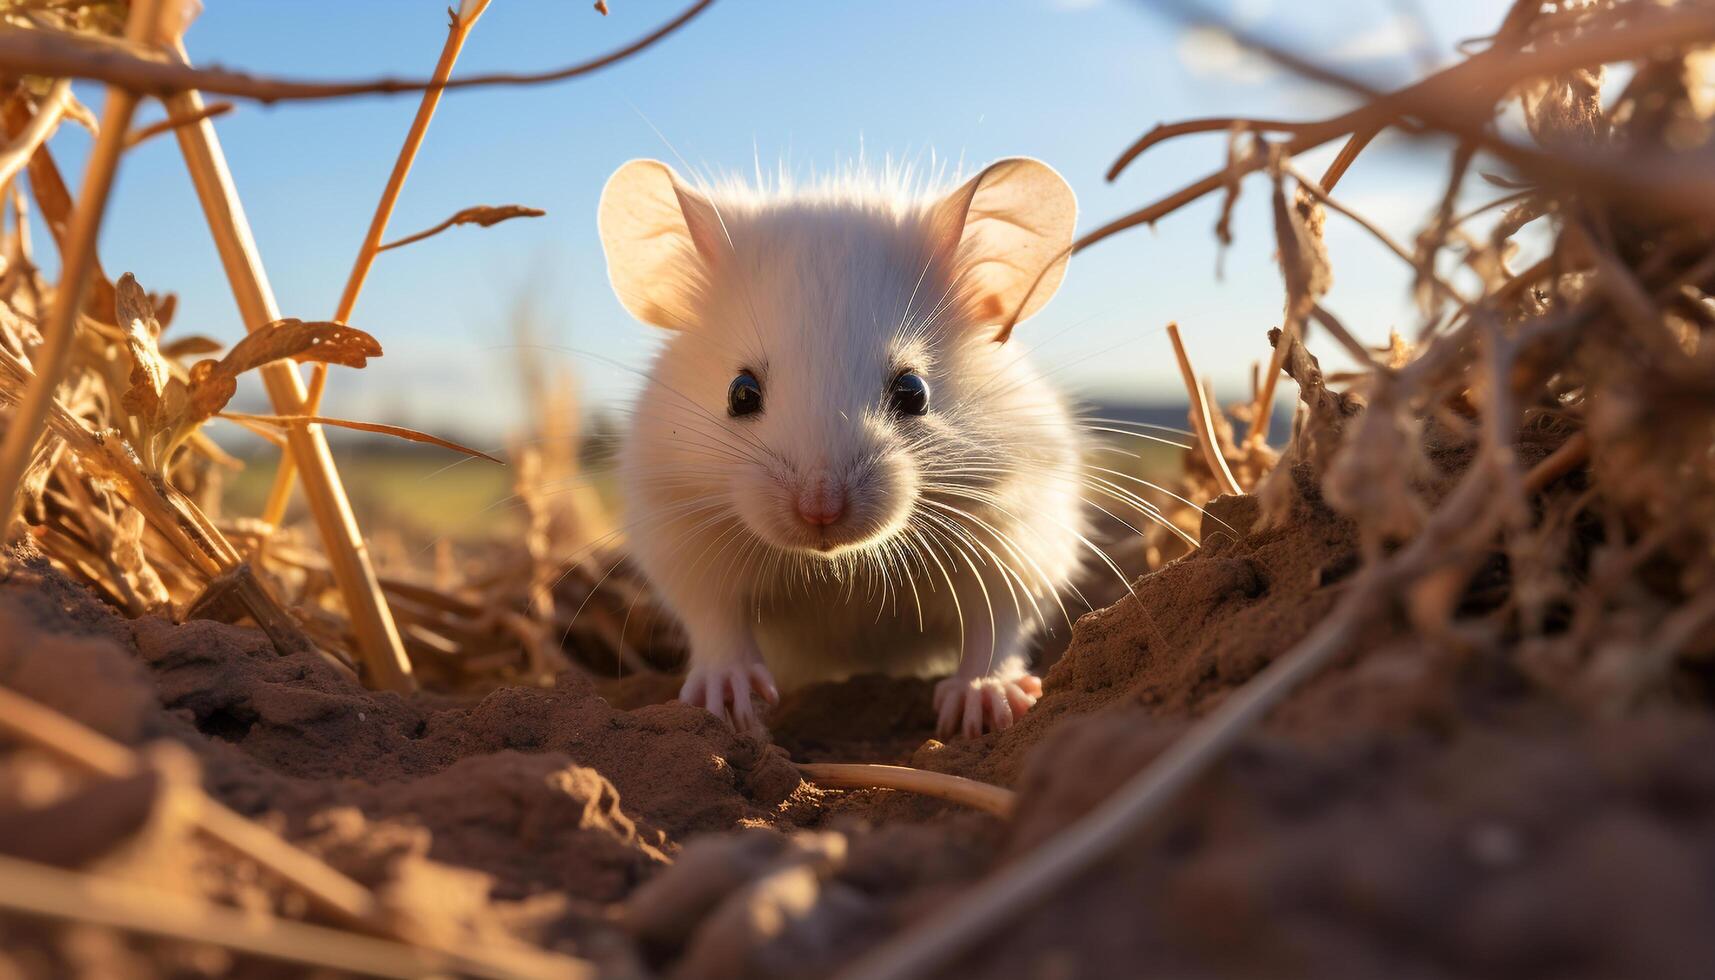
x: 1418, y: 811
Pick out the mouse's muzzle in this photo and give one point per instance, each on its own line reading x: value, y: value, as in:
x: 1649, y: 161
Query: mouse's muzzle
x: 828, y: 509
x: 822, y: 500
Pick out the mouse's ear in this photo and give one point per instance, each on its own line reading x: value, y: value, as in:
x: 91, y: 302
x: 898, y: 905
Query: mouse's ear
x: 1012, y: 227
x: 661, y: 238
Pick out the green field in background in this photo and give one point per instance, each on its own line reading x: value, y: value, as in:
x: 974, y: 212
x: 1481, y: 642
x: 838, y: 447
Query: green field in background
x: 419, y: 495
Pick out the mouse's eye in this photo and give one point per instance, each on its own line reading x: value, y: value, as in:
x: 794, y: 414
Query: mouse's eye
x: 909, y: 395
x: 744, y: 396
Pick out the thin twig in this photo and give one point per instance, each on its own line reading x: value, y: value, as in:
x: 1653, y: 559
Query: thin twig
x: 31, y: 722
x: 57, y: 54
x: 40, y: 890
x: 1493, y: 70
x: 458, y: 30
x: 1338, y: 330
x: 983, y: 796
x: 1205, y: 421
x: 211, y: 111
x: 1355, y: 144
x: 287, y: 422
x: 1376, y: 232
x: 484, y: 216
x: 1571, y: 454
x: 49, y: 111
x: 1216, y: 124
x: 1262, y: 408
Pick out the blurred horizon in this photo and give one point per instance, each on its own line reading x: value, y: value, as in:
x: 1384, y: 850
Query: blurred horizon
x: 809, y: 87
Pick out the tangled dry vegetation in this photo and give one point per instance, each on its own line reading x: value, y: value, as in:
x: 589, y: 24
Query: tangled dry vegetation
x: 1526, y: 484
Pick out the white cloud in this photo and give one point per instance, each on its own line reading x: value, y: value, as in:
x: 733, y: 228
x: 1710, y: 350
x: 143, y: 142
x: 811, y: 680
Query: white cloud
x: 1250, y: 13
x: 1392, y: 38
x: 1212, y: 52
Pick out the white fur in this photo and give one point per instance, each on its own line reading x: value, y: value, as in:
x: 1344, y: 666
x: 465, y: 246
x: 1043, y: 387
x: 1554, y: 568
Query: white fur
x: 963, y: 524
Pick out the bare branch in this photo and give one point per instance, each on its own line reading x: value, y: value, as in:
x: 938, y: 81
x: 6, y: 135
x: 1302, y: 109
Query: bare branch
x: 173, y: 122
x: 55, y: 54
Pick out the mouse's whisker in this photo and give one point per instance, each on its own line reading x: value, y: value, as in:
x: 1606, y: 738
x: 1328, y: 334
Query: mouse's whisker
x: 1161, y: 489
x: 1024, y: 555
x: 1007, y: 573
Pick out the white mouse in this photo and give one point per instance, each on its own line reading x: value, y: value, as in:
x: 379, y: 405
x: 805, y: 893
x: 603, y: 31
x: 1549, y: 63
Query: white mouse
x: 839, y: 464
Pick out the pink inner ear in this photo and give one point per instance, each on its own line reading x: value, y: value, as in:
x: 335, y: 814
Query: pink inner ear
x: 947, y: 221
x: 704, y: 224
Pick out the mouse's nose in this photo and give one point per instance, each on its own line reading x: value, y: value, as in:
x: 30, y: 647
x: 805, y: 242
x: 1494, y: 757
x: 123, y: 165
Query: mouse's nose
x: 822, y: 502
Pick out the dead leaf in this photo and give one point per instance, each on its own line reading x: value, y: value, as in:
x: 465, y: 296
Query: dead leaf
x: 130, y: 558
x: 213, y: 383
x: 329, y: 343
x: 149, y: 371
x: 1302, y: 253
x: 33, y: 488
x: 165, y: 304
x: 210, y: 389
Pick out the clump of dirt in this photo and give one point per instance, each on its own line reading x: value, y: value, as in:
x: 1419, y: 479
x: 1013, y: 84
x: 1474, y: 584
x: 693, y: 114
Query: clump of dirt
x: 1421, y: 808
x: 524, y: 813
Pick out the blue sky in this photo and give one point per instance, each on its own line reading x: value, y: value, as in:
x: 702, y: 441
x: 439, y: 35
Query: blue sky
x: 808, y: 83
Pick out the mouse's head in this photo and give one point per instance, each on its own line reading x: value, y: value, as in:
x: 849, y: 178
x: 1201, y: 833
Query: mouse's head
x: 835, y: 357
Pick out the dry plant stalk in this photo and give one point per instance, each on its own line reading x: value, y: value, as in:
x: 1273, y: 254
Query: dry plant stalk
x: 378, y: 640
x: 1202, y: 416
x: 53, y: 732
x: 213, y: 110
x: 78, y: 264
x: 48, y: 115
x: 458, y: 30
x: 841, y: 775
x: 49, y: 892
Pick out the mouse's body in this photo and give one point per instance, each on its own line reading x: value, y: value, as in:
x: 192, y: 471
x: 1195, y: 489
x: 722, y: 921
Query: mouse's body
x: 838, y: 465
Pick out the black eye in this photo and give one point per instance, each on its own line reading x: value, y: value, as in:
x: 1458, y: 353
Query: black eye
x: 910, y: 394
x: 744, y: 397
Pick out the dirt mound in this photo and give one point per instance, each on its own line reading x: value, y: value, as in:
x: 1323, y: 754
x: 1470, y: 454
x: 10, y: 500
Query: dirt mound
x: 1421, y: 809
x: 452, y: 810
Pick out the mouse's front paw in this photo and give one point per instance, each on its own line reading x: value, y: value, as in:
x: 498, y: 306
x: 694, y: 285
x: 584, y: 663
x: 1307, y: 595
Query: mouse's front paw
x: 724, y: 691
x: 969, y: 706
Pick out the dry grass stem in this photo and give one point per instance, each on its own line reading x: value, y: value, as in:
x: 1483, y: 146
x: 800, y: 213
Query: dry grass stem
x: 839, y: 775
x: 458, y: 30
x: 78, y: 263
x: 35, y: 724
x: 35, y: 889
x: 288, y: 422
x: 1201, y: 412
x: 381, y: 649
x: 213, y: 110
x: 49, y: 111
x: 1571, y: 454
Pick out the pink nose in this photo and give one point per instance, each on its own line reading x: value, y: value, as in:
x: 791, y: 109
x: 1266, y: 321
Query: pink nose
x: 821, y: 503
